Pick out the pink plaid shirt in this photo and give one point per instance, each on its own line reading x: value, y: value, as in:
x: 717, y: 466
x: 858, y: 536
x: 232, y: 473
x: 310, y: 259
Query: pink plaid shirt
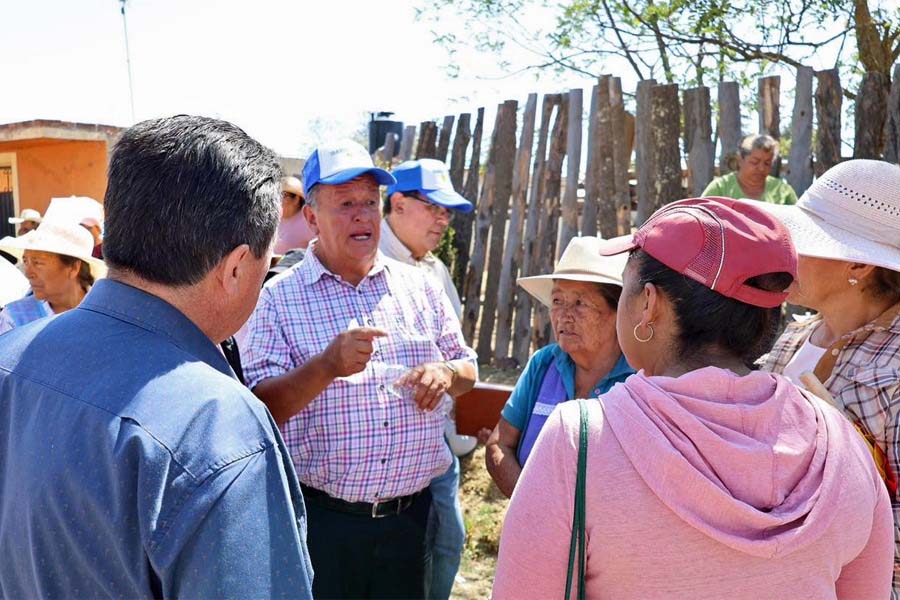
x: 359, y: 440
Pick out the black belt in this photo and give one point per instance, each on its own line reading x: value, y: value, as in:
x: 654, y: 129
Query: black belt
x: 376, y: 510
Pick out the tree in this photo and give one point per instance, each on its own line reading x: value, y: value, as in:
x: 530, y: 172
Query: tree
x: 668, y: 39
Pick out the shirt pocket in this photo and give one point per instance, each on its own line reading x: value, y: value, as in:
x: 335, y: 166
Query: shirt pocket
x: 885, y: 381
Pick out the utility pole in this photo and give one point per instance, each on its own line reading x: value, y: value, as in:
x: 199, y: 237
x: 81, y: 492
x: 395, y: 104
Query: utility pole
x: 128, y: 61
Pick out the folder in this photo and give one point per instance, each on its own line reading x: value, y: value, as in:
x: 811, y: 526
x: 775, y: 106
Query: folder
x: 480, y: 407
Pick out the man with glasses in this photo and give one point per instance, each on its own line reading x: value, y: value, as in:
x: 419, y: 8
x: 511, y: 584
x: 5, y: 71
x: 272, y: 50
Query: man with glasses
x: 417, y: 213
x: 354, y: 354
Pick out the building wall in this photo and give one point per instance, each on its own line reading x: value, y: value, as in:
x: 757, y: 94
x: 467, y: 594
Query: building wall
x: 48, y: 168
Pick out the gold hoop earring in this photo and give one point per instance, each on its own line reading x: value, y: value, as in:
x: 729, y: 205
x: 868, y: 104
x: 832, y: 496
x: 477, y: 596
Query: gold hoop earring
x: 640, y: 339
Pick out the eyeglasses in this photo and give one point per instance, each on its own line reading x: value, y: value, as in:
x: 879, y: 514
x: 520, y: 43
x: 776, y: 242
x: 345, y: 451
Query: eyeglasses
x: 433, y: 209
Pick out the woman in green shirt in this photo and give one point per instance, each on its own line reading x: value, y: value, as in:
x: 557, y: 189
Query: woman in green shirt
x: 752, y: 179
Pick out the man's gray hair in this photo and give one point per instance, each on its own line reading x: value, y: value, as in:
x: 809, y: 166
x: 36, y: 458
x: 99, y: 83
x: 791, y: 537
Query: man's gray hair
x: 311, y: 196
x: 759, y: 141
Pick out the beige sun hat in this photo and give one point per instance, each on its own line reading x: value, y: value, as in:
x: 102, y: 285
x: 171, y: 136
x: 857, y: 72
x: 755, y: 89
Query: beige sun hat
x: 59, y: 237
x: 581, y: 261
x: 850, y: 213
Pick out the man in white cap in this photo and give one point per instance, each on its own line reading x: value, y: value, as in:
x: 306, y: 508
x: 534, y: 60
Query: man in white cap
x: 417, y: 213
x: 28, y: 220
x: 353, y: 353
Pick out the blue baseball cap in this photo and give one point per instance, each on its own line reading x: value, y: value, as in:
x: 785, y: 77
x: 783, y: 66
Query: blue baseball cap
x: 432, y: 179
x: 340, y: 162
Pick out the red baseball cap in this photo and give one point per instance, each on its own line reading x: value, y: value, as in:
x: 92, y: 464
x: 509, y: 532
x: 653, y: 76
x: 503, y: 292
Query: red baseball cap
x: 719, y: 242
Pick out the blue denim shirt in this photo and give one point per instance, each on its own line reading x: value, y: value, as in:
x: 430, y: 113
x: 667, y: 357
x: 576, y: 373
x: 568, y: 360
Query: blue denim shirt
x: 134, y: 464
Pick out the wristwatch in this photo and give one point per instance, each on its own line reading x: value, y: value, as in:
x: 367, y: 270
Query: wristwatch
x: 453, y: 370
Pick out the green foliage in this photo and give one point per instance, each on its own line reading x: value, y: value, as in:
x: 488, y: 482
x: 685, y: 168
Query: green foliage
x: 445, y: 250
x: 684, y: 40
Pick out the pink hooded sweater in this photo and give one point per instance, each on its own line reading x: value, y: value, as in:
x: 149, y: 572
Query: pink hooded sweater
x: 710, y: 485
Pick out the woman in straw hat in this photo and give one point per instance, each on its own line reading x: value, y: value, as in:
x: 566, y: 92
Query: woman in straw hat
x: 59, y: 267
x: 582, y: 294
x: 846, y: 228
x: 701, y: 477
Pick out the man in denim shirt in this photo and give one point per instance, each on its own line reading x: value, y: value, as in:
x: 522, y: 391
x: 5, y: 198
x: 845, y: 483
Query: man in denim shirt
x: 133, y: 463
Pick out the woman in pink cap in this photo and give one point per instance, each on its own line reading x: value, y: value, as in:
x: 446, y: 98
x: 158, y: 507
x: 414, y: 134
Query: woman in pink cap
x: 704, y: 478
x: 846, y: 227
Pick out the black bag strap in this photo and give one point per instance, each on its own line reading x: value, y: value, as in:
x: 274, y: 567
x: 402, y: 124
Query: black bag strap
x: 578, y: 537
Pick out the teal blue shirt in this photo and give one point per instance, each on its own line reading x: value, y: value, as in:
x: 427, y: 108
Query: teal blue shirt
x: 523, y: 398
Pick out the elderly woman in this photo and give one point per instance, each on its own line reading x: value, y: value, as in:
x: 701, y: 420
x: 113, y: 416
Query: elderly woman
x: 847, y: 231
x: 583, y: 295
x: 59, y: 267
x: 752, y: 179
x: 701, y: 478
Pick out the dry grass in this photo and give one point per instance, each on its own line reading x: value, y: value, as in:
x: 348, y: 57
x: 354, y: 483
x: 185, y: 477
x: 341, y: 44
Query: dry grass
x: 483, y: 509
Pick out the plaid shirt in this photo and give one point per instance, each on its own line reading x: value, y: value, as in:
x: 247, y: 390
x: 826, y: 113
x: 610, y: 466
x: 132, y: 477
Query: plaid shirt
x: 358, y: 440
x: 862, y: 372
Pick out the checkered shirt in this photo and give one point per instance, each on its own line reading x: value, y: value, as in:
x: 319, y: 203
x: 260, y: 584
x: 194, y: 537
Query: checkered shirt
x: 357, y: 440
x: 862, y: 372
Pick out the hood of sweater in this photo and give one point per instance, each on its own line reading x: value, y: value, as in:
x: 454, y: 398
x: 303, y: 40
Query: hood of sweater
x: 747, y: 460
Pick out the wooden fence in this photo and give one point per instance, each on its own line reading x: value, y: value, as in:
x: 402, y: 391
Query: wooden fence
x: 527, y: 208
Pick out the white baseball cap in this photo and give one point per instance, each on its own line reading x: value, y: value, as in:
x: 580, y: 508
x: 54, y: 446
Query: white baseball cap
x: 28, y: 214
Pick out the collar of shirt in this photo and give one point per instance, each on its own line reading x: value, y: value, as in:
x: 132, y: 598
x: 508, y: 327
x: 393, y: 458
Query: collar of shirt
x: 149, y: 312
x: 312, y: 269
x: 566, y: 367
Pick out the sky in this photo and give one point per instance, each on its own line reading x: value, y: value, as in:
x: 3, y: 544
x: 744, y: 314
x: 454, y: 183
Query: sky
x: 291, y: 73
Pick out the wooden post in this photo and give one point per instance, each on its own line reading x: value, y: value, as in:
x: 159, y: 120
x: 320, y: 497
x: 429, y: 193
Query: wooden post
x: 621, y: 158
x: 665, y: 126
x: 701, y: 151
x: 607, y: 168
x: 522, y: 331
x: 443, y: 145
x: 688, y: 97
x: 729, y: 124
x: 592, y: 169
x: 800, y: 171
x: 460, y: 220
x: 871, y: 113
x: 478, y: 259
x: 504, y: 163
x: 512, y: 255
x: 643, y: 158
x: 457, y: 165
x: 828, y: 117
x: 463, y: 223
x: 892, y: 122
x: 390, y: 143
x: 427, y: 140
x: 406, y: 144
x: 549, y: 225
x: 569, y: 227
x: 770, y: 113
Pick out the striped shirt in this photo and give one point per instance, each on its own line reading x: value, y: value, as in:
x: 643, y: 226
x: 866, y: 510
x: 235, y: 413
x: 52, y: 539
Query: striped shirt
x: 360, y: 440
x: 862, y: 371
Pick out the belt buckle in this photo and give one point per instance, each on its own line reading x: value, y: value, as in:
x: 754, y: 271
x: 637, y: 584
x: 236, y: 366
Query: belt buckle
x: 375, y: 514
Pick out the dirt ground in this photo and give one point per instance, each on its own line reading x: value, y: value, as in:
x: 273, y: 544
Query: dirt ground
x: 483, y: 510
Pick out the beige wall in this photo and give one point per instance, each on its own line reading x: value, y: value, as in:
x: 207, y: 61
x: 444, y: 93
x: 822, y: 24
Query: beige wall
x: 48, y: 168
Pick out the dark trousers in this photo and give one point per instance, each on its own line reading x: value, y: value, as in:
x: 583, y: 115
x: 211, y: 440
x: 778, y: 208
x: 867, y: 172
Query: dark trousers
x: 356, y: 556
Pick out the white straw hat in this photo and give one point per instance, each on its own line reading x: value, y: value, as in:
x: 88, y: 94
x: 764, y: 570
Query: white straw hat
x: 850, y: 213
x: 59, y: 237
x: 581, y: 261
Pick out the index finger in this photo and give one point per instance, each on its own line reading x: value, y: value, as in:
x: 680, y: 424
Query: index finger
x: 367, y: 333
